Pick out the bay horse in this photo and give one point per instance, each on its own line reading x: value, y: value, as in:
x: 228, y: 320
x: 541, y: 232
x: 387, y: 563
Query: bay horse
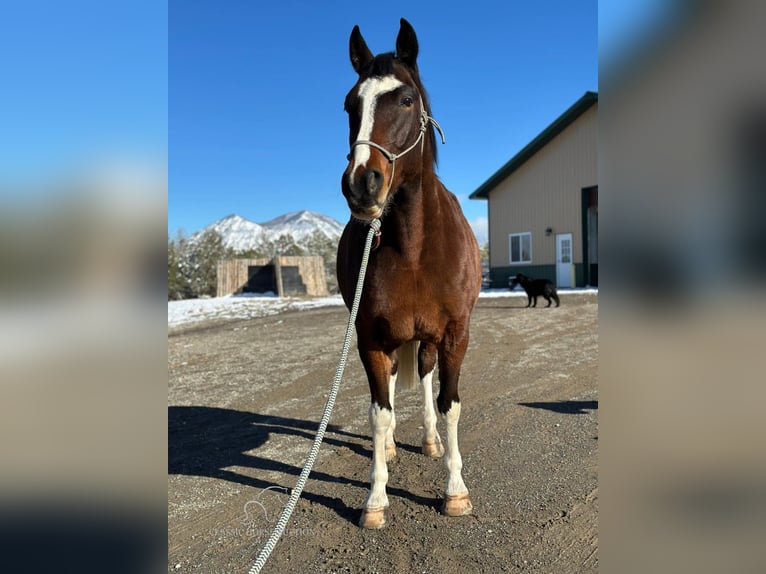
x: 424, y: 276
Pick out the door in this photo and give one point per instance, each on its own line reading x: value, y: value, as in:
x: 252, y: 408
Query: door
x: 564, y: 260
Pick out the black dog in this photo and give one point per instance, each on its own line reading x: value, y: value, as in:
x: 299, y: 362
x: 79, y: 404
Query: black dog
x: 535, y: 288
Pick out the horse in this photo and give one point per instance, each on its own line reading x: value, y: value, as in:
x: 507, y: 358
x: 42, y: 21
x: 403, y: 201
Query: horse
x: 424, y: 275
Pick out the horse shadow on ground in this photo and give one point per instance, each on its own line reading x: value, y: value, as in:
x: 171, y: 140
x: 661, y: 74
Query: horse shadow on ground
x: 209, y: 441
x: 564, y: 407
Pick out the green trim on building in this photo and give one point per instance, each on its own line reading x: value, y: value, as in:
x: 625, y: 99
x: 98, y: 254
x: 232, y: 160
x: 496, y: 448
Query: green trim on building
x: 584, y: 204
x: 590, y: 270
x: 579, y: 275
x: 499, y: 276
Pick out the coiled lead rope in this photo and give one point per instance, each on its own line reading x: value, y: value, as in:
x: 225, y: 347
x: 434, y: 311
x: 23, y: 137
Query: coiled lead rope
x: 279, y: 529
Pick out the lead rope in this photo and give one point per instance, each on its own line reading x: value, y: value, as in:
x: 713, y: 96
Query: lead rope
x: 279, y: 529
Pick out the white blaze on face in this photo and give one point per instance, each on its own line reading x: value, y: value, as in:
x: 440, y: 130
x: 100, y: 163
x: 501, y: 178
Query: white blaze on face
x: 369, y: 92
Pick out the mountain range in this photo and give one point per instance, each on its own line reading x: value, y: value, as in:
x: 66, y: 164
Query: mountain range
x: 298, y: 227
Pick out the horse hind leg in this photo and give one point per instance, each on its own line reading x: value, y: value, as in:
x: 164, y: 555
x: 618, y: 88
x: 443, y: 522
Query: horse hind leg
x: 457, y: 502
x: 432, y: 443
x: 390, y: 442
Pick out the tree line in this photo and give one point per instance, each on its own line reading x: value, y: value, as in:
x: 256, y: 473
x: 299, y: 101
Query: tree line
x: 193, y: 263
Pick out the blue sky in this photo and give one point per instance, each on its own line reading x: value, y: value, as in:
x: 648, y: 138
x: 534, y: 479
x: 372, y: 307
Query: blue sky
x: 84, y: 83
x: 243, y: 100
x: 256, y: 120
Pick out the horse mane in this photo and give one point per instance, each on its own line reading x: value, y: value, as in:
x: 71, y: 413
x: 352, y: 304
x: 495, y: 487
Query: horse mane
x: 384, y: 65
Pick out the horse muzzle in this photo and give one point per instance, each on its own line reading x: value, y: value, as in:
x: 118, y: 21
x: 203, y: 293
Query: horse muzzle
x: 363, y: 194
x: 369, y: 213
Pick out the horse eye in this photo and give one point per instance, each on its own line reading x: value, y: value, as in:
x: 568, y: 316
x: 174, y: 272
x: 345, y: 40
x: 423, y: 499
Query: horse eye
x: 407, y: 101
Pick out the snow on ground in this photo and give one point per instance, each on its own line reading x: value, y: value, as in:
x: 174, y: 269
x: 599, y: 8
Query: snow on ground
x: 249, y: 306
x: 240, y: 307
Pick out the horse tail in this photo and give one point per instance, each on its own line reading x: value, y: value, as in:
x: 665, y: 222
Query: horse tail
x: 407, y: 355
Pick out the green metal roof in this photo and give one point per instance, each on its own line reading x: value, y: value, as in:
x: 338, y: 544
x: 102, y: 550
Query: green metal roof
x: 558, y: 125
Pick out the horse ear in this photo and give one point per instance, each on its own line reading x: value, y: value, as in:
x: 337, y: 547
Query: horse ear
x: 358, y: 51
x: 407, y: 44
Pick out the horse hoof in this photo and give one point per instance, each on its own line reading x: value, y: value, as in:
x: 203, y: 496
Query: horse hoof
x: 457, y: 505
x: 390, y: 452
x: 433, y: 449
x: 374, y: 518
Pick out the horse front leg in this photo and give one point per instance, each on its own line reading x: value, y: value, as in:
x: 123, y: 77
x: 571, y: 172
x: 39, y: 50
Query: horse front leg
x: 375, y: 513
x: 457, y: 502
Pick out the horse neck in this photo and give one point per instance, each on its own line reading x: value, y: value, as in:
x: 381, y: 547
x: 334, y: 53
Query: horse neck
x: 415, y: 212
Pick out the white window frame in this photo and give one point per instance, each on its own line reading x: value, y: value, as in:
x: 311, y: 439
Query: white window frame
x: 522, y: 235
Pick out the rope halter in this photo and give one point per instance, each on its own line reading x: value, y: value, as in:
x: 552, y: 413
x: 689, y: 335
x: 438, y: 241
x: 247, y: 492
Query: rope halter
x: 425, y: 120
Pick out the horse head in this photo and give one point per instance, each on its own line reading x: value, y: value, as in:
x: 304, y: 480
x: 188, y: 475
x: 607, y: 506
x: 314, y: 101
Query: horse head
x: 388, y: 118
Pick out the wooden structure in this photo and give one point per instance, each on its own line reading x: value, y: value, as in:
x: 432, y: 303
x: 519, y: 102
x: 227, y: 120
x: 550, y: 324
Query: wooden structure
x: 284, y: 275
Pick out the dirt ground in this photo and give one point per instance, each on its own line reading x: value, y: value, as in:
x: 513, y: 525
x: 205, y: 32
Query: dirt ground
x: 245, y: 398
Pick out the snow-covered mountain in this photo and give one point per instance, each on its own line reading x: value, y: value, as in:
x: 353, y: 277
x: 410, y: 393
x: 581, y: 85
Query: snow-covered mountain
x: 302, y: 224
x: 237, y: 232
x: 243, y: 235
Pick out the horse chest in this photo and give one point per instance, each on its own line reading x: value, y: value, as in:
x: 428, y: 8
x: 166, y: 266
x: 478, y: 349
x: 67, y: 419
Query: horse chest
x: 404, y: 306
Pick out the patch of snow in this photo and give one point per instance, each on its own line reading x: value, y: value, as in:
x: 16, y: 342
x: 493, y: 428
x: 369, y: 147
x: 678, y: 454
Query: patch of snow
x: 240, y: 307
x: 248, y: 306
x: 519, y: 292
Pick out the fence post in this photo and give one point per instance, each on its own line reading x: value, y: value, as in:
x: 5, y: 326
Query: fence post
x: 278, y: 275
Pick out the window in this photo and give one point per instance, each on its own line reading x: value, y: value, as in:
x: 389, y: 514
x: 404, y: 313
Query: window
x: 520, y: 247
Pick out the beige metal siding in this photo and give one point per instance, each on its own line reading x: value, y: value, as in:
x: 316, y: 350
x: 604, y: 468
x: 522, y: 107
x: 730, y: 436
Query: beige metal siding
x: 545, y: 192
